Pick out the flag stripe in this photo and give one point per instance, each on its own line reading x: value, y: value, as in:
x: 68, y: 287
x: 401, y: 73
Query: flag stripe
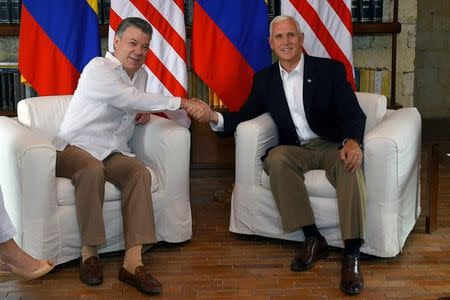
x: 310, y: 15
x: 335, y: 26
x: 173, y: 14
x: 39, y: 64
x: 156, y: 85
x: 162, y: 25
x: 154, y: 64
x: 310, y: 43
x: 166, y: 61
x: 161, y: 48
x: 232, y: 17
x: 114, y: 20
x: 164, y: 75
x: 312, y: 18
x: 230, y: 78
x: 60, y: 27
x: 94, y: 5
x: 180, y: 4
x: 343, y: 12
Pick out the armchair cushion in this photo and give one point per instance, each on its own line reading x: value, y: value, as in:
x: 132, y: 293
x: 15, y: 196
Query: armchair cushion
x: 314, y: 181
x: 374, y: 107
x: 65, y: 190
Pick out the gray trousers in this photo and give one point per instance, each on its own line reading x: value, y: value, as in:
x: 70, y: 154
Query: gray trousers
x: 89, y: 175
x: 286, y: 166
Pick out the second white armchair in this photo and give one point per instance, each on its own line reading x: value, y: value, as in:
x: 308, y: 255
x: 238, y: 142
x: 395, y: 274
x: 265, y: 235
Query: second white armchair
x: 391, y: 162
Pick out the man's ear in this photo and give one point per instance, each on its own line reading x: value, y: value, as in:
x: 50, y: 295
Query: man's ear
x: 116, y: 42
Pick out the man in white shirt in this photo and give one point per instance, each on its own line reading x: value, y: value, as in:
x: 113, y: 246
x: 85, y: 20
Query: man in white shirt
x: 320, y: 126
x: 92, y: 145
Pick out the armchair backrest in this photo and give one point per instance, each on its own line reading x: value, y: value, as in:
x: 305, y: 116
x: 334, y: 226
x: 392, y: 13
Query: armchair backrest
x: 374, y: 107
x: 43, y: 115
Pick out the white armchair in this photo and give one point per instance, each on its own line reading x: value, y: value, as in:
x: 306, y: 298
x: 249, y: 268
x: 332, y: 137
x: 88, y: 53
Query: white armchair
x: 42, y: 206
x: 391, y: 159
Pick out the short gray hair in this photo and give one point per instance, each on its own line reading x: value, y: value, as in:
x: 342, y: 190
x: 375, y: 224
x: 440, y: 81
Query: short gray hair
x: 283, y: 18
x: 142, y: 24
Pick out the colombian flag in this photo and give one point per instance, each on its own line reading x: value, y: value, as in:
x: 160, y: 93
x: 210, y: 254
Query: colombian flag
x: 57, y: 39
x: 229, y: 44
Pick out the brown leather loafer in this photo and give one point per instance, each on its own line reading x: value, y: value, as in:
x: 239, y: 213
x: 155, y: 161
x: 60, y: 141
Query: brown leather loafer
x: 313, y: 249
x: 91, y: 271
x: 143, y: 281
x: 352, y: 281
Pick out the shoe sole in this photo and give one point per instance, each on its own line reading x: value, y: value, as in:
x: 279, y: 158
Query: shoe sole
x: 92, y: 283
x: 351, y: 293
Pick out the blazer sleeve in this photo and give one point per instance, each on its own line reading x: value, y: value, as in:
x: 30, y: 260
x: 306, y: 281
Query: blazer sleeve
x: 351, y: 117
x: 253, y: 107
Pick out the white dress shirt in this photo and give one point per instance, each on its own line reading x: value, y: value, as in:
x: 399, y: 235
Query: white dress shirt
x: 100, y: 116
x: 293, y: 89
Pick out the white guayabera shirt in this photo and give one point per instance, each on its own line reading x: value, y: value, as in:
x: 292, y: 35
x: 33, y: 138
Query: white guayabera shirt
x: 100, y: 116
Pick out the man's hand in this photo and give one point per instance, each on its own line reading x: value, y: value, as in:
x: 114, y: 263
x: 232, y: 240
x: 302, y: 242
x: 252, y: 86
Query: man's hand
x: 142, y: 118
x: 197, y: 109
x: 352, y: 155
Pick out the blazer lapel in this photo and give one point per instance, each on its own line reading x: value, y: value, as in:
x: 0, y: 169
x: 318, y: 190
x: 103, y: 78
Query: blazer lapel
x: 280, y: 106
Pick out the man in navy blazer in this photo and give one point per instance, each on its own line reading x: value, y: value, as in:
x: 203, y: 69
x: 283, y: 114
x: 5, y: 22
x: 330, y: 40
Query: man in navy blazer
x: 320, y: 126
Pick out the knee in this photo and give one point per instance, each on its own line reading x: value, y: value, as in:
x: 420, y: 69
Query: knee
x: 342, y: 173
x: 94, y: 171
x: 277, y: 158
x: 141, y: 173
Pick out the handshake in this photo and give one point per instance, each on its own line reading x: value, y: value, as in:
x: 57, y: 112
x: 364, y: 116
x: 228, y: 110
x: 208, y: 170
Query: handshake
x: 199, y: 110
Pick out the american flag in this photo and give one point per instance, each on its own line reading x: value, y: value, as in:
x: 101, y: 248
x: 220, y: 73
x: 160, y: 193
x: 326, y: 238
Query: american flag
x: 327, y: 25
x: 166, y: 61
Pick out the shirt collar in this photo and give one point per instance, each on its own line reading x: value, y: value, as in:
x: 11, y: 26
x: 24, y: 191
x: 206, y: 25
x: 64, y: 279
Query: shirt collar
x: 115, y: 62
x: 118, y: 65
x: 298, y: 69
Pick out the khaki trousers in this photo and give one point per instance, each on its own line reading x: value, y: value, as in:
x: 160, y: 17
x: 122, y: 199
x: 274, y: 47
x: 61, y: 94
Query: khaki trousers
x: 286, y: 166
x: 89, y: 175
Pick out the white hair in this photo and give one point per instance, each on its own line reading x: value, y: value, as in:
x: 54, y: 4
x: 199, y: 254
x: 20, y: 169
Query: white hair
x: 283, y: 18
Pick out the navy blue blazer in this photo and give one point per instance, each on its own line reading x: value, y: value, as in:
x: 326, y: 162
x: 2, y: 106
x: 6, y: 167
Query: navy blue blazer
x: 331, y: 107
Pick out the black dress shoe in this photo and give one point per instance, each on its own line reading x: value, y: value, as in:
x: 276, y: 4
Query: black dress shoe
x: 313, y: 249
x: 143, y: 281
x: 91, y: 271
x: 352, y: 281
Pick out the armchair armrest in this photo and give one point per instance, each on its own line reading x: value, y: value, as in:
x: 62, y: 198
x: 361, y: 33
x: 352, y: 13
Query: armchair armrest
x: 164, y: 145
x: 392, y: 162
x: 392, y: 151
x: 253, y: 138
x: 27, y: 177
